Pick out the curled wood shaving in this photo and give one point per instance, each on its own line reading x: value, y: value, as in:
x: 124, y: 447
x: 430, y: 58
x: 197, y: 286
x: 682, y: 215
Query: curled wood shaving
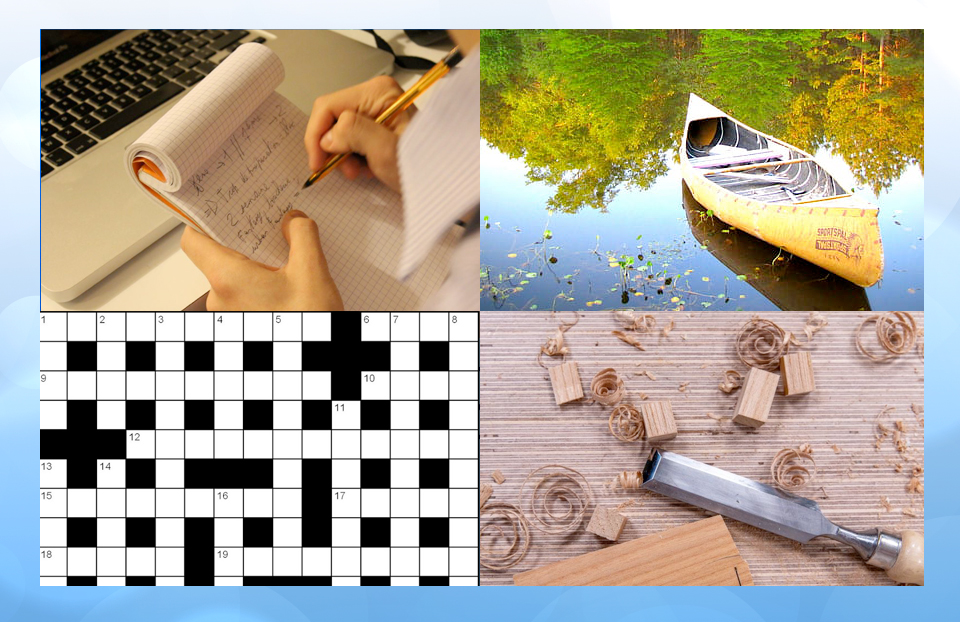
x: 896, y: 331
x: 607, y: 387
x: 486, y: 490
x: 498, y: 477
x: 665, y: 331
x: 815, y: 322
x: 558, y: 486
x: 761, y: 343
x: 732, y: 380
x: 630, y: 480
x: 631, y: 320
x: 789, y: 473
x: 683, y: 387
x: 554, y: 345
x: 632, y: 340
x: 626, y: 423
x: 504, y: 536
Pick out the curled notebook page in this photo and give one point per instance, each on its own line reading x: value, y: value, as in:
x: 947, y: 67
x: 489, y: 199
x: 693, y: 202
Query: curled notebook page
x: 187, y: 135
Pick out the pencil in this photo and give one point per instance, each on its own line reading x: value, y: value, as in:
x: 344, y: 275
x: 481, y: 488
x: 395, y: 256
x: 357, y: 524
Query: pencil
x: 402, y: 103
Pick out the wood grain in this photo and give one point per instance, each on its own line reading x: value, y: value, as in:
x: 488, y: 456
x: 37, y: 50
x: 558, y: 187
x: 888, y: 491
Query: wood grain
x: 521, y: 428
x: 658, y: 421
x: 607, y: 523
x: 797, y: 371
x: 566, y: 383
x: 756, y: 398
x: 699, y: 553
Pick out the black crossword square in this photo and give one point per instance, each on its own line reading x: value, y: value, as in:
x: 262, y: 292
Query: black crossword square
x: 434, y: 356
x: 141, y: 532
x: 434, y: 473
x: 141, y: 415
x: 257, y: 532
x: 345, y: 327
x: 198, y: 356
x: 374, y: 581
x: 434, y: 414
x: 81, y: 356
x: 141, y: 473
x: 375, y: 473
x: 105, y: 444
x: 257, y: 356
x: 141, y: 356
x: 375, y: 415
x: 257, y: 414
x: 434, y: 532
x: 316, y: 414
x: 81, y: 415
x: 374, y: 532
x: 370, y: 356
x: 433, y: 581
x: 345, y: 385
x: 318, y: 355
x: 55, y: 444
x: 146, y: 580
x: 198, y: 414
x: 81, y: 532
x: 74, y: 580
x: 82, y: 472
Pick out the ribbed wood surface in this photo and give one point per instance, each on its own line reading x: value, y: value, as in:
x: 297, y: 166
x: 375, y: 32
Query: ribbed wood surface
x: 521, y: 428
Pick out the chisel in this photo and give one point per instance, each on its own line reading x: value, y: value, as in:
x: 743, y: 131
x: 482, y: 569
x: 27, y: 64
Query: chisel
x: 778, y: 512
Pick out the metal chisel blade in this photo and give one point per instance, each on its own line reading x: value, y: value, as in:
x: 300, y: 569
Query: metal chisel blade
x: 736, y: 497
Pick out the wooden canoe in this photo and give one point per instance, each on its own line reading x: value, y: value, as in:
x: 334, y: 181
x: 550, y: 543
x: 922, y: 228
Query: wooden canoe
x: 779, y: 194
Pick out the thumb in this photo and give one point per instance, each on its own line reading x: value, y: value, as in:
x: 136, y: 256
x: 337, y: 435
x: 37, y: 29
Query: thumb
x: 302, y: 234
x: 360, y: 134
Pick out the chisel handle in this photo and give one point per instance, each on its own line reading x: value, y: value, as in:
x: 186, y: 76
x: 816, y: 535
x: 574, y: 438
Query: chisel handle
x: 909, y: 565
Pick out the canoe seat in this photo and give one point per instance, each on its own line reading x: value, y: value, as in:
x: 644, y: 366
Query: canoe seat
x: 739, y: 158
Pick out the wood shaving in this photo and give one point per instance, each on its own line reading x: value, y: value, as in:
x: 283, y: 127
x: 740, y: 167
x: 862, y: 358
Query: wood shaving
x: 836, y: 449
x: 815, y: 322
x: 806, y: 448
x: 624, y: 337
x: 486, y: 490
x: 683, y: 387
x: 626, y: 423
x: 643, y: 396
x: 721, y: 420
x: 918, y: 413
x: 898, y: 468
x: 885, y: 503
x: 761, y: 344
x: 554, y: 345
x: 504, y: 537
x: 886, y: 410
x: 920, y: 343
x: 665, y: 331
x: 562, y: 486
x: 631, y: 320
x: 629, y: 480
x: 789, y: 473
x: 911, y: 512
x: 732, y: 380
x: 649, y: 374
x: 607, y: 387
x: 626, y: 504
x: 896, y: 331
x: 498, y: 476
x: 915, y: 485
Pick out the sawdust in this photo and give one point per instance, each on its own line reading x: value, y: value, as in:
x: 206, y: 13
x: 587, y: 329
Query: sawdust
x: 836, y: 449
x: 721, y: 420
x: 683, y: 387
x: 915, y: 485
x: 885, y: 504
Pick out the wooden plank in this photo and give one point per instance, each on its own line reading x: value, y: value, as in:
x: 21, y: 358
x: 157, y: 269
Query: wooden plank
x: 485, y: 491
x: 756, y: 398
x: 521, y: 429
x: 607, y: 523
x: 658, y: 422
x: 797, y: 372
x: 737, y: 158
x: 565, y: 379
x: 699, y: 553
x: 747, y: 167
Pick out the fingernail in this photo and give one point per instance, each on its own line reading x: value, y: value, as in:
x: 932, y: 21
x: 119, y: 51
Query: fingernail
x: 295, y: 213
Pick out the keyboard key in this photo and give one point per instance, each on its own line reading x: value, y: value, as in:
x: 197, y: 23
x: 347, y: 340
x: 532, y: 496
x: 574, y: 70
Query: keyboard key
x: 68, y: 133
x: 213, y: 34
x: 151, y: 70
x: 74, y: 74
x: 167, y: 47
x: 83, y: 94
x: 141, y: 91
x: 194, y: 33
x: 144, y: 46
x: 149, y: 56
x: 44, y: 168
x: 134, y: 65
x: 81, y: 144
x: 90, y: 65
x: 171, y: 72
x: 259, y: 40
x: 105, y: 112
x: 132, y: 113
x: 189, y: 62
x: 190, y: 78
x: 50, y: 144
x: 79, y: 81
x: 134, y: 79
x: 101, y: 84
x: 182, y: 52
x: 118, y: 74
x: 126, y: 45
x: 167, y: 60
x: 56, y: 83
x: 112, y: 62
x: 228, y: 38
x: 65, y: 119
x: 156, y: 82
x: 60, y: 157
x: 60, y: 91
x: 65, y: 104
x: 127, y: 56
x: 118, y: 89
x: 233, y: 48
x: 100, y: 99
x: 180, y: 39
x: 204, y: 53
x: 47, y: 114
x: 123, y: 101
x: 88, y: 122
x: 84, y: 108
x: 205, y: 67
x: 47, y: 129
x: 143, y: 35
x: 96, y: 72
x: 159, y: 35
x: 46, y: 101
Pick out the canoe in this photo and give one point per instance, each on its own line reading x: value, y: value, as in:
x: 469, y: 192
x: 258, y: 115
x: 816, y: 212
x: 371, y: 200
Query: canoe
x: 792, y: 285
x: 779, y: 194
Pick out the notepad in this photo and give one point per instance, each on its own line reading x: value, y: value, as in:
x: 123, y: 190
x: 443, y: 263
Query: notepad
x: 228, y: 159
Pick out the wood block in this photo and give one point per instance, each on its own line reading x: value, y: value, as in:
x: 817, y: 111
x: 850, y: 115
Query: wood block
x: 658, y: 422
x: 797, y: 370
x: 607, y: 523
x: 498, y: 477
x: 485, y: 491
x: 565, y: 379
x: 756, y: 397
x: 699, y: 553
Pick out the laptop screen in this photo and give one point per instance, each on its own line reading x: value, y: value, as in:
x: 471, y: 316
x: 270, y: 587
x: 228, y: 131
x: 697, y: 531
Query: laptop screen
x: 59, y: 46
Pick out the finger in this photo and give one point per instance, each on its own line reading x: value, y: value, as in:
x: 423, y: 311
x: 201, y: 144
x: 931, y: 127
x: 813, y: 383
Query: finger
x: 302, y: 234
x: 359, y: 134
x: 205, y: 253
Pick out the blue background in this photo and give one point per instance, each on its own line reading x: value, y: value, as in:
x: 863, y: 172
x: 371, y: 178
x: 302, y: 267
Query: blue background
x: 22, y: 599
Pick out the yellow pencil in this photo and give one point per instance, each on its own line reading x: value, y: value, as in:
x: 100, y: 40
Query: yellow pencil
x: 403, y: 102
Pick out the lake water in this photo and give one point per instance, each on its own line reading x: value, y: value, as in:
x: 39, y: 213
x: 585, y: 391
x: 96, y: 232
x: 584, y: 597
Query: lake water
x: 581, y: 194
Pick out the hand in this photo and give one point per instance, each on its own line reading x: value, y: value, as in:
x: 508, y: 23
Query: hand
x: 238, y: 283
x: 343, y: 122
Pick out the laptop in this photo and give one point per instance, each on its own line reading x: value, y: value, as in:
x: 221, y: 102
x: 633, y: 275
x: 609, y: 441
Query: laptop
x: 101, y: 89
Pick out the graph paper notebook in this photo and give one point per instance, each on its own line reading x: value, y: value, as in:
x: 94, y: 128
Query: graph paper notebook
x: 228, y: 160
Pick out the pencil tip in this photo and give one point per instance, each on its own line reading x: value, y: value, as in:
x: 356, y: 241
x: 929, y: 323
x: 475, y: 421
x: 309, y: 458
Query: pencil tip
x: 305, y: 185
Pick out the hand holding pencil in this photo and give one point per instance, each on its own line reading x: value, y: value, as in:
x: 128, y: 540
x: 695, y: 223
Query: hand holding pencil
x: 365, y: 120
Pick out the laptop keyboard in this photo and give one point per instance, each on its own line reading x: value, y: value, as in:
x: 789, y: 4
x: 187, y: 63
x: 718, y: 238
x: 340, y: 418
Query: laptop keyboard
x: 105, y: 95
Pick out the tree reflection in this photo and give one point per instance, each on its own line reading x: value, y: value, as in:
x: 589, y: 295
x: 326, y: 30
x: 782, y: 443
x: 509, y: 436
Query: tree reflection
x: 595, y: 112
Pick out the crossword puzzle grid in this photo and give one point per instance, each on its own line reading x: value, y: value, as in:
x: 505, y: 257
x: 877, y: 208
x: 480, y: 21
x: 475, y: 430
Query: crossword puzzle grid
x: 259, y: 448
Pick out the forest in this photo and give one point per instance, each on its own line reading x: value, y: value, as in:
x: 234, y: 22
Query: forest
x: 594, y: 112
